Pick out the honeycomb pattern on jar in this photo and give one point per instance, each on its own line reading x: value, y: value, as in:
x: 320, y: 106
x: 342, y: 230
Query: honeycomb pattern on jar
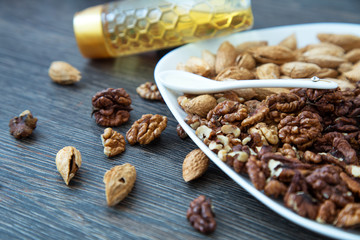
x: 168, y: 25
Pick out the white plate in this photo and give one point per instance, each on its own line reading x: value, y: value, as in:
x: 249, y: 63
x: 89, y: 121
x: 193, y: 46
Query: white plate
x: 305, y: 34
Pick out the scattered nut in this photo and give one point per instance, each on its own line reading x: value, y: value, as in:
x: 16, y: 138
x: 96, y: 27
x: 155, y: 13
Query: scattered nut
x: 113, y: 142
x: 22, y: 126
x: 149, y: 91
x: 195, y: 164
x: 63, y: 73
x: 111, y: 107
x: 201, y: 216
x: 119, y: 182
x: 68, y: 162
x: 146, y: 129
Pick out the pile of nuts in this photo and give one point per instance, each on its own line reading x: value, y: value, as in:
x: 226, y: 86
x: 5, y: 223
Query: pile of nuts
x: 302, y: 145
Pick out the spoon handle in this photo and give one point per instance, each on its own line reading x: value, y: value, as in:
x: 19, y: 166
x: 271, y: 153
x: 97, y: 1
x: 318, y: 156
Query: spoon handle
x: 194, y: 84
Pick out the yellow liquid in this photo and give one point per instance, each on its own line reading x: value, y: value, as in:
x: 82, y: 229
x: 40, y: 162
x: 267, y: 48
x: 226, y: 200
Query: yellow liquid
x: 151, y: 29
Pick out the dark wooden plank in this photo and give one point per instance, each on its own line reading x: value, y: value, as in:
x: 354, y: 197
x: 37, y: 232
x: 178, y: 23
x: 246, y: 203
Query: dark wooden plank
x: 34, y: 201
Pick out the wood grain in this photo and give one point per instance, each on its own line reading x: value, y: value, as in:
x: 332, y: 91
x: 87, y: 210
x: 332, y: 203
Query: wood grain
x: 34, y: 201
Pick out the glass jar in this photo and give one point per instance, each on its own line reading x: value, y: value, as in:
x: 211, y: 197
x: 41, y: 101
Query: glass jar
x: 130, y: 27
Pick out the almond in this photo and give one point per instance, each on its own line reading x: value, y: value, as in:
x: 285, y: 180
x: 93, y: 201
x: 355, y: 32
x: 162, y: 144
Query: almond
x: 345, y: 67
x: 199, y: 105
x: 289, y: 42
x: 353, y: 75
x: 325, y: 50
x: 63, y: 73
x: 273, y: 54
x: 225, y: 56
x: 357, y: 64
x: 268, y: 71
x: 321, y: 45
x: 343, y: 84
x: 210, y: 59
x: 353, y: 55
x: 246, y: 61
x: 325, y: 61
x: 198, y: 66
x: 246, y: 93
x: 243, y: 47
x: 119, y: 182
x: 195, y: 164
x: 68, y: 162
x: 299, y: 69
x: 262, y: 93
x: 234, y: 73
x: 326, y: 73
x: 346, y: 41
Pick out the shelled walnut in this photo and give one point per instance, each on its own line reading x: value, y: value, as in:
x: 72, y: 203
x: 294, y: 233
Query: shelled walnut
x: 113, y: 142
x: 111, y: 107
x: 146, y: 129
x: 201, y: 216
x: 149, y: 91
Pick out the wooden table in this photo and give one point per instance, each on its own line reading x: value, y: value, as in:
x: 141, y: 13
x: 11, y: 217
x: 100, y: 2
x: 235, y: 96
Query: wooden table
x: 34, y: 201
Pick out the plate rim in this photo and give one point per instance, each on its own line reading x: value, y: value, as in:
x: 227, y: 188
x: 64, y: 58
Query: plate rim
x: 273, y: 204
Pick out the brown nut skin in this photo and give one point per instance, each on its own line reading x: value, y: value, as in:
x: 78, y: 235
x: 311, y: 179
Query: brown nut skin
x: 146, y: 129
x: 302, y: 130
x: 22, y: 126
x: 327, y: 212
x: 195, y: 164
x: 111, y: 107
x: 119, y: 182
x: 181, y: 132
x: 226, y: 112
x: 201, y: 216
x: 275, y: 188
x: 298, y: 198
x: 326, y: 183
x: 349, y: 216
x: 255, y: 172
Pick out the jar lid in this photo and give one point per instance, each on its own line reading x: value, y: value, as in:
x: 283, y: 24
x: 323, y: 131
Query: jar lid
x: 89, y: 33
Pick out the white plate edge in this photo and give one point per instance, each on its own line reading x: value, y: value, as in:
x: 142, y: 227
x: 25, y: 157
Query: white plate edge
x: 280, y: 209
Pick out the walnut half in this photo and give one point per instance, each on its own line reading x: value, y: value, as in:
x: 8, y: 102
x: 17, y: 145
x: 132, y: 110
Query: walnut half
x: 113, y: 142
x: 146, y: 129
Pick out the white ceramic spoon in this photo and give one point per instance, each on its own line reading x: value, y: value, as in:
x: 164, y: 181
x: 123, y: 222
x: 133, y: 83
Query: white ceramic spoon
x: 195, y: 84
